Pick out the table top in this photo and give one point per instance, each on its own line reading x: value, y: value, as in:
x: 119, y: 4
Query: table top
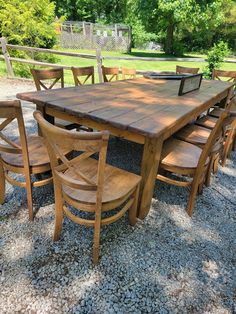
x: 143, y: 106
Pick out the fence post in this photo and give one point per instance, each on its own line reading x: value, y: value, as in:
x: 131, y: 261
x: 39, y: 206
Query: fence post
x: 99, y: 64
x: 6, y: 55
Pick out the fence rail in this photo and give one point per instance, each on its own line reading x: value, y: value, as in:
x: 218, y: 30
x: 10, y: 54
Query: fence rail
x: 97, y: 56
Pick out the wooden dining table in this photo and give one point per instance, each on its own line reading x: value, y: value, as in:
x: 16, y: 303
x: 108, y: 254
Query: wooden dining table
x: 141, y: 110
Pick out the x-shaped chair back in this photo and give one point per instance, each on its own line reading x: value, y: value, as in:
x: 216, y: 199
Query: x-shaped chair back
x: 84, y: 72
x: 53, y: 75
x: 110, y: 74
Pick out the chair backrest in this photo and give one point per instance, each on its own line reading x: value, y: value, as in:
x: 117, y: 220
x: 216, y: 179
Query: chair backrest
x: 214, y: 137
x: 86, y: 72
x: 183, y: 70
x: 54, y: 75
x: 131, y: 73
x: 219, y: 74
x: 110, y: 74
x: 9, y: 111
x: 88, y: 143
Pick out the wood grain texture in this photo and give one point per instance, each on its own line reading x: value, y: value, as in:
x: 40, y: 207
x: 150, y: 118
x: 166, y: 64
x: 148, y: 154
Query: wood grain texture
x: 141, y: 110
x: 152, y: 105
x: 85, y: 183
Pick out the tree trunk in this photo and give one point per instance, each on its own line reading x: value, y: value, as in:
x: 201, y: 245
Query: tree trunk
x: 169, y: 38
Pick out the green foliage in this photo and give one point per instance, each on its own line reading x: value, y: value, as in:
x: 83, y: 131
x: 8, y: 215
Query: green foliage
x: 215, y: 57
x: 178, y: 24
x: 29, y: 23
x: 108, y: 11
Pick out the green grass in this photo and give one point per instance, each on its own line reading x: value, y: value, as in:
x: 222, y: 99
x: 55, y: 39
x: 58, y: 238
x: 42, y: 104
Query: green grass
x: 139, y: 65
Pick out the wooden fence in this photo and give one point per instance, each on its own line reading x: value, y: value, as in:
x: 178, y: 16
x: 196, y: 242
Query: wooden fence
x: 97, y: 56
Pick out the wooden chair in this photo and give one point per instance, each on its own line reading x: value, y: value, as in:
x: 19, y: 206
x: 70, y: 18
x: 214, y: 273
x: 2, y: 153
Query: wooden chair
x: 186, y: 159
x: 85, y: 72
x: 198, y: 134
x: 110, y: 74
x: 183, y: 70
x: 229, y: 76
x: 131, y: 73
x: 26, y: 156
x: 55, y: 76
x: 87, y: 184
x: 209, y: 121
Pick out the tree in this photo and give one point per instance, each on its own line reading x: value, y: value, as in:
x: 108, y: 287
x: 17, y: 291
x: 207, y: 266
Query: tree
x: 169, y: 18
x: 27, y: 22
x: 109, y: 11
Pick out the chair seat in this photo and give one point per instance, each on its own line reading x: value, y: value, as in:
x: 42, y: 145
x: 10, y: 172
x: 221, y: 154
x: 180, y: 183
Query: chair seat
x: 38, y: 155
x: 194, y: 134
x: 180, y: 154
x: 207, y: 122
x: 117, y: 182
x: 216, y: 112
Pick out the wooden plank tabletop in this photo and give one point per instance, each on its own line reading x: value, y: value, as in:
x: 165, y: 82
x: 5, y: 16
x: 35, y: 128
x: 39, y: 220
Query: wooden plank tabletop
x: 142, y: 106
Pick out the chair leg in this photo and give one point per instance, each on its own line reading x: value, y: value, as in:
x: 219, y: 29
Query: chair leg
x: 2, y: 184
x: 58, y: 211
x: 209, y: 171
x: 234, y: 143
x: 229, y: 143
x: 216, y: 163
x: 134, y: 207
x: 191, y: 200
x: 96, y: 239
x: 200, y: 188
x: 29, y: 196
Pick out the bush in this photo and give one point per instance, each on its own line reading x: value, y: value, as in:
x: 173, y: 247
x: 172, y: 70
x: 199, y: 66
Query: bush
x: 27, y: 22
x: 215, y: 57
x: 178, y: 49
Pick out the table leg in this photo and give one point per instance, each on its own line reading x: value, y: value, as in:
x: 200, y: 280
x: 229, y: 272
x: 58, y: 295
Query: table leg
x: 150, y: 163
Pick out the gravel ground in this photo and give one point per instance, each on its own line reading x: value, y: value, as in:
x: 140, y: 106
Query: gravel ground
x: 167, y: 263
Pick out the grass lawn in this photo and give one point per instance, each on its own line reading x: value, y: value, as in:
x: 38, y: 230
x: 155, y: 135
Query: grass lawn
x: 139, y: 65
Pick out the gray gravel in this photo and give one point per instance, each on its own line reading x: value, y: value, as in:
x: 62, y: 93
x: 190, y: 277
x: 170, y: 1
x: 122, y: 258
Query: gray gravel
x: 167, y: 263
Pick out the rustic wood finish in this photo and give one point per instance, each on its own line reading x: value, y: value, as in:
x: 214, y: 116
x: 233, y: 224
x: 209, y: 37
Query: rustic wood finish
x: 140, y: 110
x: 85, y: 72
x: 85, y: 183
x: 183, y: 158
x: 27, y: 156
x: 183, y: 70
x: 110, y: 74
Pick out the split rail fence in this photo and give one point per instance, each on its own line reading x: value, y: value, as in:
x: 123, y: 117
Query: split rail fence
x: 97, y: 56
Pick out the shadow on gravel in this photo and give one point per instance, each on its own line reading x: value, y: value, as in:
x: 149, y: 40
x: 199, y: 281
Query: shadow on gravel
x: 167, y: 263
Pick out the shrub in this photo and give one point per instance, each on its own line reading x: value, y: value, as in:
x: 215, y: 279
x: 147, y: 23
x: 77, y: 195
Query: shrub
x: 215, y: 57
x: 28, y: 23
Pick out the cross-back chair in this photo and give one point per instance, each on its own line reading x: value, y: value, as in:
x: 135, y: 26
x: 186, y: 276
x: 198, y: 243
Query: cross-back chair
x: 229, y: 76
x: 87, y: 184
x: 130, y: 73
x: 26, y: 156
x: 185, y: 159
x: 85, y: 72
x: 210, y: 120
x: 110, y: 74
x: 198, y: 135
x: 41, y: 77
x: 55, y: 77
x: 183, y: 70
